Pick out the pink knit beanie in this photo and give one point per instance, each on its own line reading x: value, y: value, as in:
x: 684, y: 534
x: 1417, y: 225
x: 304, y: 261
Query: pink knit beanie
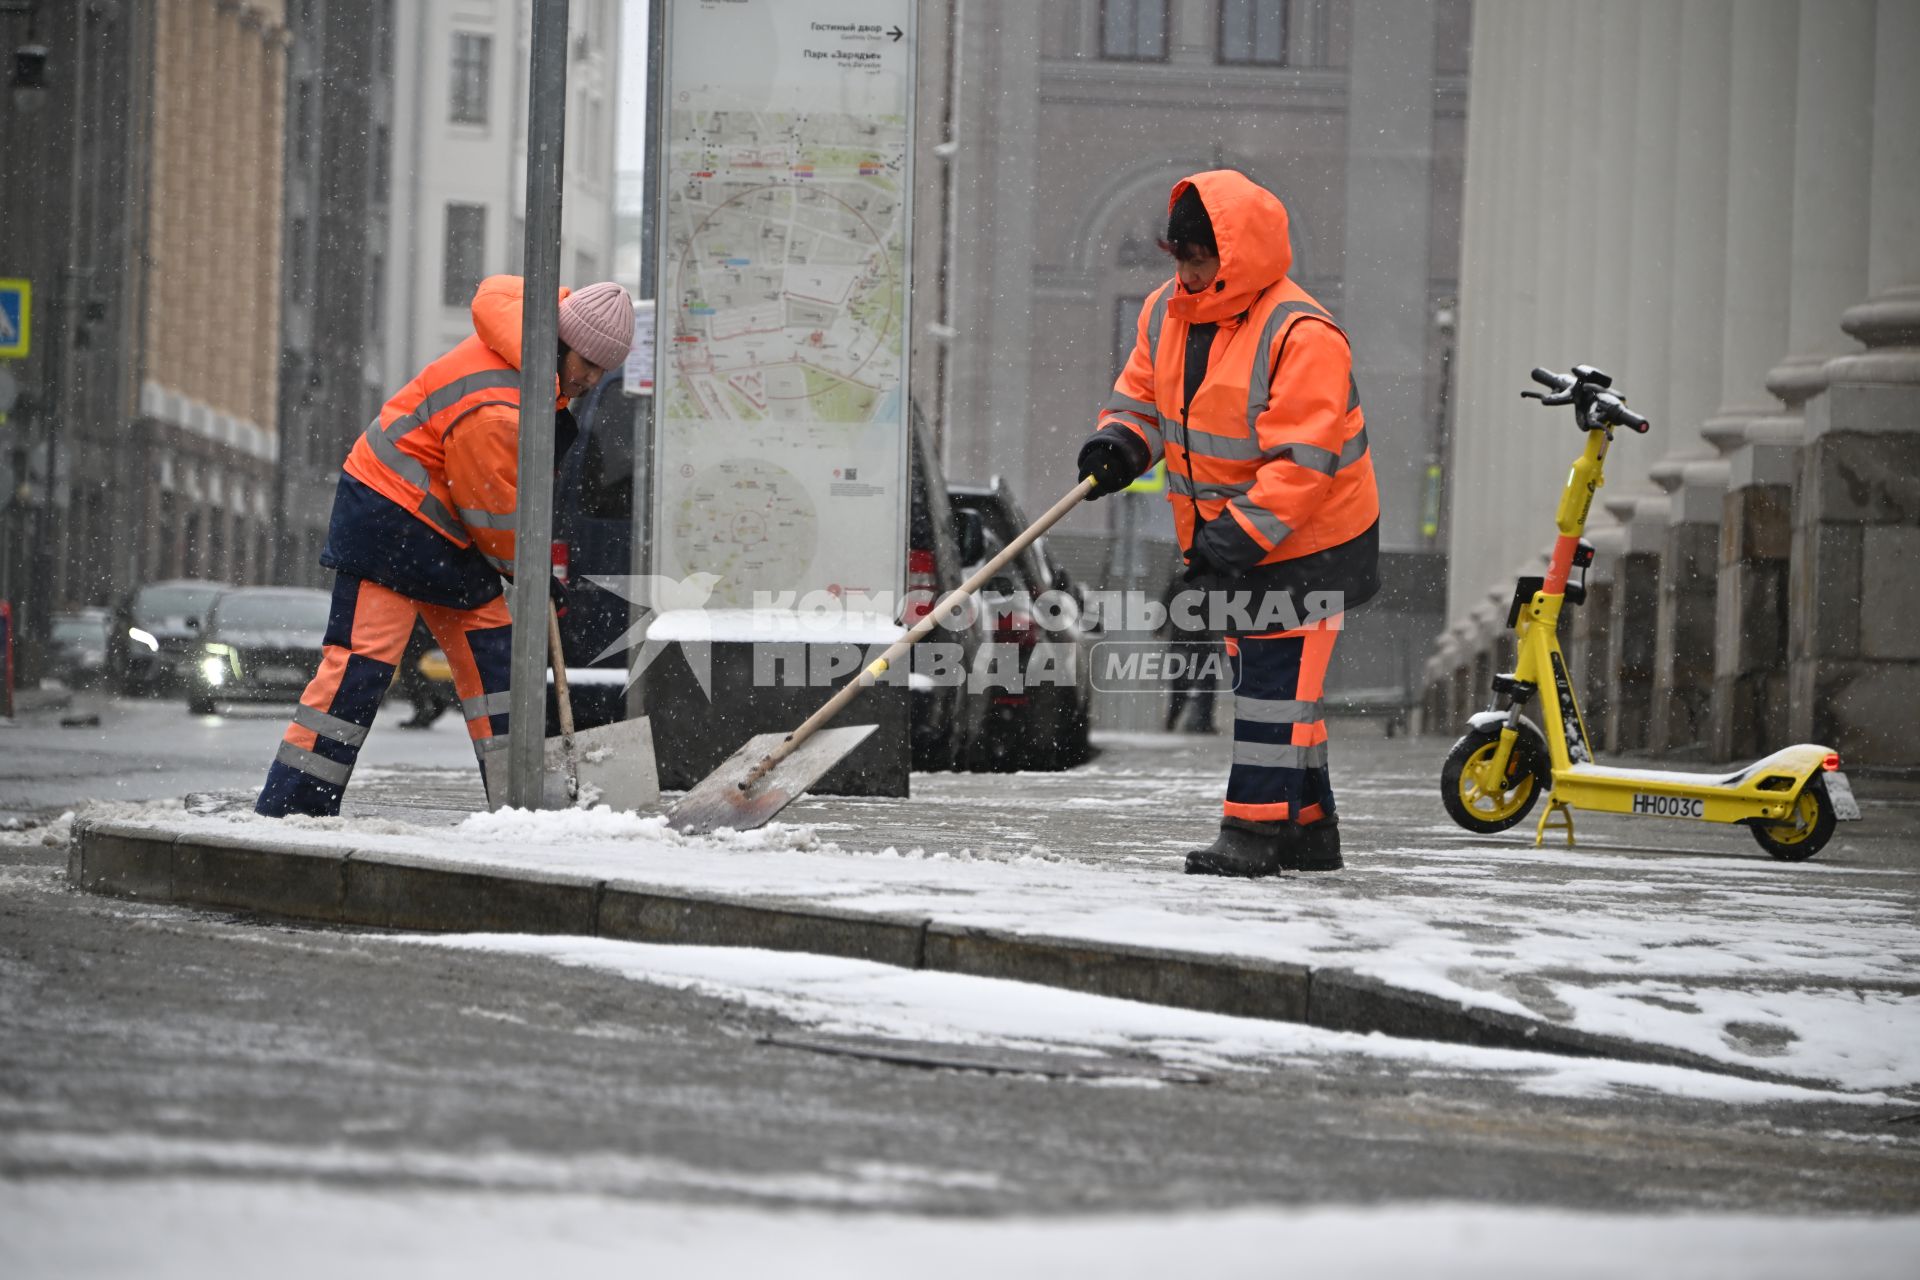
x: 597, y: 322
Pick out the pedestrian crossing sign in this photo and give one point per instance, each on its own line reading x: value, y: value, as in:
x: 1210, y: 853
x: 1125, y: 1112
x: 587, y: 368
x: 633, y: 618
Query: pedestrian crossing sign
x: 16, y: 318
x: 1154, y: 481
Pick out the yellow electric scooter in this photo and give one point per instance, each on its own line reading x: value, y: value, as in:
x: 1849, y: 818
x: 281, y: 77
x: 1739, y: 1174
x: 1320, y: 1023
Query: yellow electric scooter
x: 1498, y: 769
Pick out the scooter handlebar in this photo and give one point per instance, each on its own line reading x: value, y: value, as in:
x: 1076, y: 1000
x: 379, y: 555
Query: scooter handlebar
x: 1620, y: 416
x: 1551, y: 380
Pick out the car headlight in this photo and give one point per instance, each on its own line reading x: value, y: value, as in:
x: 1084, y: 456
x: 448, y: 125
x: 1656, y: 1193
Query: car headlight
x: 139, y: 636
x: 218, y: 658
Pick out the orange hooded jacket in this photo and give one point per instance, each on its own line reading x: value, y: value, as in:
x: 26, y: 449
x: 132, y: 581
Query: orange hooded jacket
x: 1268, y: 468
x: 444, y: 451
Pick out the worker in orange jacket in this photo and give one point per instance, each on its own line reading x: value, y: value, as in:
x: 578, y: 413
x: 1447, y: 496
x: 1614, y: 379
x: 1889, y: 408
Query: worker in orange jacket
x: 423, y: 526
x: 1244, y: 385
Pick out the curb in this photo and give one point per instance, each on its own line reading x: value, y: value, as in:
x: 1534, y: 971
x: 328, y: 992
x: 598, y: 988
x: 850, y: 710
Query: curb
x: 396, y: 891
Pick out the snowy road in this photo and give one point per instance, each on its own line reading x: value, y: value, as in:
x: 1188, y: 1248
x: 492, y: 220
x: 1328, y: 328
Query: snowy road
x: 149, y: 748
x: 473, y: 1105
x: 483, y: 1105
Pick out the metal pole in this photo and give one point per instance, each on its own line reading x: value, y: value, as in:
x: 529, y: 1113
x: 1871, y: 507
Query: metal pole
x: 539, y: 345
x: 640, y: 558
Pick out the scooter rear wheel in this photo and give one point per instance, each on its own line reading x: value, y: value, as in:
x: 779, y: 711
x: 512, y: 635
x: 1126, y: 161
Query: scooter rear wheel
x: 1489, y: 812
x: 1807, y: 828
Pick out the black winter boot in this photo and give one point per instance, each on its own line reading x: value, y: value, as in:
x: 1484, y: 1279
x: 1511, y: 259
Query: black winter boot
x: 1250, y: 849
x: 1314, y: 847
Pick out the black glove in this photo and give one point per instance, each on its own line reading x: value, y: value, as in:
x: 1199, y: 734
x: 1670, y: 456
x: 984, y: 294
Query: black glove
x: 1200, y: 565
x: 557, y: 592
x: 1108, y: 462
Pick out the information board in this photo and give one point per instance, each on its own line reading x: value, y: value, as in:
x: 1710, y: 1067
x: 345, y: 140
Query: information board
x: 781, y: 408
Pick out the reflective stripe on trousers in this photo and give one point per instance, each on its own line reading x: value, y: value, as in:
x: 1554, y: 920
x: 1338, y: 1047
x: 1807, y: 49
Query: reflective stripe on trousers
x: 1279, y: 739
x: 367, y: 631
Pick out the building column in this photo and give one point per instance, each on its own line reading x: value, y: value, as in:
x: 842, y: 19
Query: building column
x: 1590, y: 633
x: 1634, y: 604
x: 1690, y: 473
x: 1854, y: 599
x: 1749, y: 682
x: 1384, y: 300
x: 1643, y: 314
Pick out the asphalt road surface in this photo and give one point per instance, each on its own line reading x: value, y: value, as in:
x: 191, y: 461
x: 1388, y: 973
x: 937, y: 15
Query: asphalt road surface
x: 147, y: 1040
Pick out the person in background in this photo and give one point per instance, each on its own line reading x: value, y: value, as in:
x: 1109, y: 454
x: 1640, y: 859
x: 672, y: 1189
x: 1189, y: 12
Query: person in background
x: 423, y: 527
x: 1244, y: 384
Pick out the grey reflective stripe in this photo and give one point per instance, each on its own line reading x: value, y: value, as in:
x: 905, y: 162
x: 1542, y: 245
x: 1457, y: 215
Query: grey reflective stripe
x: 1274, y: 710
x: 474, y: 519
x: 1204, y: 444
x: 1353, y: 394
x: 414, y: 472
x: 1260, y: 384
x: 487, y: 704
x: 1156, y: 320
x: 1182, y: 487
x: 1275, y: 755
x: 1355, y: 449
x: 1310, y: 456
x: 1264, y: 521
x: 500, y: 566
x: 1127, y: 404
x: 344, y: 732
x: 443, y: 398
x: 487, y: 746
x: 314, y: 766
x: 403, y: 464
x: 442, y: 519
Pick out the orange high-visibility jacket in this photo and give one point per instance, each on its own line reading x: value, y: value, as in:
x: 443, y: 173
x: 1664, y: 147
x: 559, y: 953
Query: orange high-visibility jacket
x: 1268, y: 467
x: 446, y: 447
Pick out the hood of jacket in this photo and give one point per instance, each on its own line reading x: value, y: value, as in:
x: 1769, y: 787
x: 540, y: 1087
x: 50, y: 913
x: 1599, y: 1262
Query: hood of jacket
x: 1250, y: 227
x: 498, y: 307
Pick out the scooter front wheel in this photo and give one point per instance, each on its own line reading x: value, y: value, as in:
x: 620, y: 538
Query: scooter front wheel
x: 1805, y: 830
x: 1487, y: 811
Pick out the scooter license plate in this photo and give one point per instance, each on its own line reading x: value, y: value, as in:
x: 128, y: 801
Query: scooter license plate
x: 1840, y: 791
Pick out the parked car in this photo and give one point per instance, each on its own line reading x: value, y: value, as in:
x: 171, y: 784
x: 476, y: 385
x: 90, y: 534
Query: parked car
x: 947, y: 720
x: 260, y: 644
x: 155, y: 634
x: 593, y: 536
x: 1042, y: 721
x: 80, y: 647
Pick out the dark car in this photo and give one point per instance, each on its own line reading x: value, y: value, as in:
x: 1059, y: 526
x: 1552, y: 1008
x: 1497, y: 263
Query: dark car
x: 260, y: 644
x: 1038, y: 628
x: 155, y: 635
x: 80, y: 647
x: 593, y: 537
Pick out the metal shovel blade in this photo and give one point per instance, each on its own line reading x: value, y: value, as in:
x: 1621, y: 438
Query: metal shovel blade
x: 556, y: 789
x: 617, y: 766
x: 717, y: 801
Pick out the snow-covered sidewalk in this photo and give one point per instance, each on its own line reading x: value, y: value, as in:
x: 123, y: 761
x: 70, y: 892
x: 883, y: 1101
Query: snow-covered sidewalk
x: 1803, y: 971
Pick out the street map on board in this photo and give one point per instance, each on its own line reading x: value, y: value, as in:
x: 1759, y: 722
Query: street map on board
x: 784, y: 302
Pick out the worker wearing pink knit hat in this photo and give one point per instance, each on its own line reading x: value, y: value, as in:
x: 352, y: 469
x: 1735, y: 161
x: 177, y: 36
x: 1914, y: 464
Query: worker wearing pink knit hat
x: 423, y: 527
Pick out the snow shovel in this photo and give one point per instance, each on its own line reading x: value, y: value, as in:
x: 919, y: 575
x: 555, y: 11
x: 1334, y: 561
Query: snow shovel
x: 612, y: 765
x: 772, y: 770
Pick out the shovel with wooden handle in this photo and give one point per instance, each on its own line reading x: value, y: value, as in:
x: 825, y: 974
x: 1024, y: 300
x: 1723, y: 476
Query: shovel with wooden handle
x: 612, y: 764
x: 773, y: 770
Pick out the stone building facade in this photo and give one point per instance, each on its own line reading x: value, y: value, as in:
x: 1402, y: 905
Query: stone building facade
x: 1719, y: 203
x: 459, y: 163
x: 1050, y: 135
x: 340, y: 82
x: 143, y: 200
